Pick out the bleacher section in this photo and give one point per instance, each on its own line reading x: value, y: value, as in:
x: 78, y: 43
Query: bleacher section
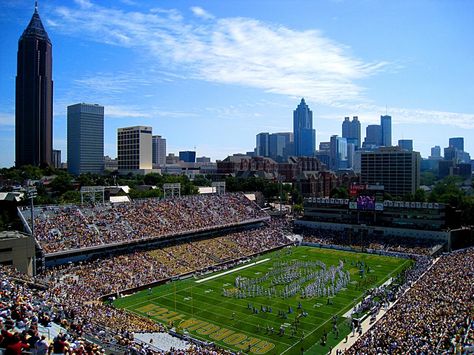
x: 59, y: 230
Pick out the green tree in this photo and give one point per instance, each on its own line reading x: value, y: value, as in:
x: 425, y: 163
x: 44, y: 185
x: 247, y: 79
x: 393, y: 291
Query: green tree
x: 201, y: 180
x: 339, y: 192
x: 70, y: 196
x: 61, y: 184
x: 297, y: 209
x: 419, y: 196
x: 427, y: 178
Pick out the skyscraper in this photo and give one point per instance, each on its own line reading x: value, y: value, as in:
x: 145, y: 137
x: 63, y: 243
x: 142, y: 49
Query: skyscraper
x: 406, y: 144
x: 56, y: 158
x: 346, y: 127
x: 158, y: 151
x: 436, y: 152
x: 386, y: 124
x: 457, y: 142
x: 397, y: 170
x: 85, y: 138
x: 263, y: 140
x: 34, y: 96
x: 373, y: 135
x: 134, y: 149
x: 338, y: 153
x: 188, y: 156
x: 351, y: 131
x: 279, y: 144
x: 304, y: 134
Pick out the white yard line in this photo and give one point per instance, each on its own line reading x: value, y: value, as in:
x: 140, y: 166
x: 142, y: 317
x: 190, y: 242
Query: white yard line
x: 231, y: 271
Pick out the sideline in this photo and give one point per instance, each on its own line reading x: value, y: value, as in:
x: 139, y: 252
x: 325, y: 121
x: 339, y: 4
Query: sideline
x: 231, y: 271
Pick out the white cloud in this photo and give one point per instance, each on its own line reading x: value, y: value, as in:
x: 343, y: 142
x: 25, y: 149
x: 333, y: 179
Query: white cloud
x: 200, y: 12
x: 85, y: 4
x: 128, y: 2
x: 121, y: 111
x: 370, y: 114
x: 240, y: 51
x: 113, y: 82
x: 124, y: 112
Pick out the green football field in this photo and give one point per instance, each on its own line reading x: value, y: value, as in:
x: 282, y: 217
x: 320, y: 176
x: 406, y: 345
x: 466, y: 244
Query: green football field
x: 240, y: 315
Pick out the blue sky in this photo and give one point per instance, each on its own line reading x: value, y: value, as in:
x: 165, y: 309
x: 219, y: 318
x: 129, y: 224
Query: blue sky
x: 213, y: 74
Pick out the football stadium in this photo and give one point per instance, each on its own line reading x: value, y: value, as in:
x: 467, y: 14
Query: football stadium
x: 138, y: 217
x: 215, y: 274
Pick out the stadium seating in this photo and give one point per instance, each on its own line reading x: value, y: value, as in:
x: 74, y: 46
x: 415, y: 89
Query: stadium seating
x: 73, y: 227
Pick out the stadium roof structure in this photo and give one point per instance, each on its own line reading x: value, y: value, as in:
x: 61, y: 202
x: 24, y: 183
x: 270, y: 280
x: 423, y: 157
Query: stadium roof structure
x: 11, y: 196
x: 119, y: 199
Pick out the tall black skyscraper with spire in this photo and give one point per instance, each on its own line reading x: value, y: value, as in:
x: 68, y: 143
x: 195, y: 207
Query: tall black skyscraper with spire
x: 34, y: 96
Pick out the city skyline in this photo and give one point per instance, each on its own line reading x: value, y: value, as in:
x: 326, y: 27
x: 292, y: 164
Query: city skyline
x: 195, y: 71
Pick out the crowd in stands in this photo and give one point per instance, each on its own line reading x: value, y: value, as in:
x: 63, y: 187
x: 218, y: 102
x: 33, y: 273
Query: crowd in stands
x: 72, y: 292
x: 71, y: 227
x: 24, y: 307
x: 382, y: 296
x: 399, y: 244
x: 432, y: 317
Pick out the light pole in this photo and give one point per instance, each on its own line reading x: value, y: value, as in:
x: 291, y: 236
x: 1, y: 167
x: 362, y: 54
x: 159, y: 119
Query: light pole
x: 280, y: 188
x: 31, y: 193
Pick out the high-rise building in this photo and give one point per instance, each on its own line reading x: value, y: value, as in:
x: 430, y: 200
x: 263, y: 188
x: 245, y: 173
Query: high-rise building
x: 85, y: 138
x: 397, y: 170
x: 134, y: 148
x: 386, y: 126
x: 457, y: 142
x: 263, y: 141
x: 56, y: 158
x: 338, y: 153
x: 346, y: 127
x: 203, y: 159
x: 34, y: 96
x: 406, y: 144
x: 350, y: 155
x: 158, y: 151
x: 373, y: 135
x: 278, y: 146
x: 351, y: 131
x: 325, y: 147
x: 450, y: 153
x: 304, y: 134
x: 172, y: 159
x: 435, y: 152
x: 187, y: 156
x: 324, y: 153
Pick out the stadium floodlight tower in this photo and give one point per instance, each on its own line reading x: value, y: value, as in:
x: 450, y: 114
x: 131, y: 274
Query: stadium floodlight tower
x: 92, y: 193
x: 172, y: 190
x: 31, y: 193
x: 219, y: 187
